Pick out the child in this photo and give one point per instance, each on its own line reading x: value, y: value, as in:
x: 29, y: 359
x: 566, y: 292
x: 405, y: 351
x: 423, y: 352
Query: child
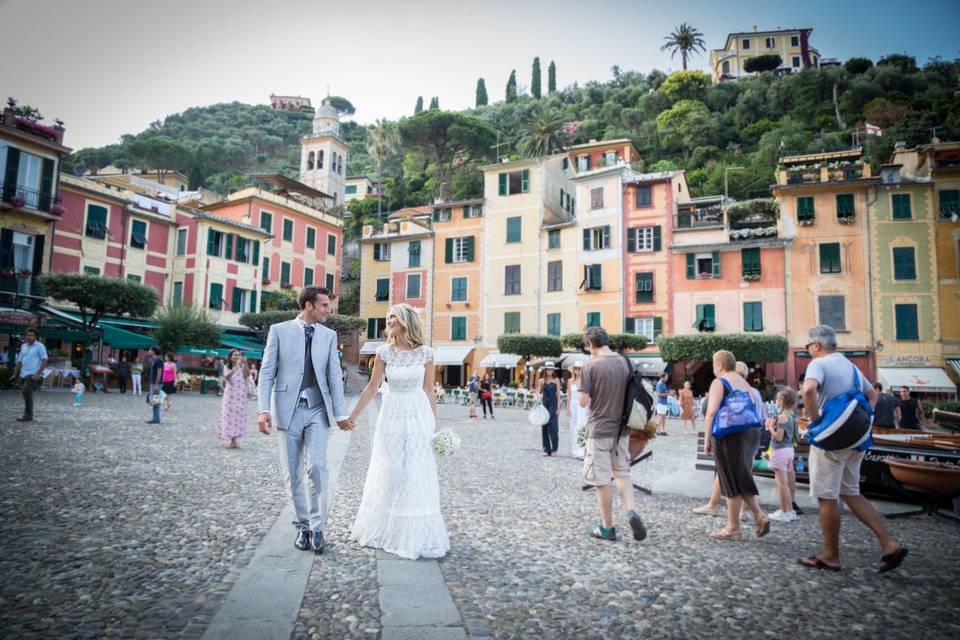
x: 78, y: 390
x: 783, y: 431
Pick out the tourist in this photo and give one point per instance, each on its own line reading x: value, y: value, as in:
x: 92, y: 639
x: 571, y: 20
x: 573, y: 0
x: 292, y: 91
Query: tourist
x: 473, y: 388
x: 78, y: 390
x: 734, y: 451
x: 885, y: 411
x: 252, y: 367
x: 31, y: 362
x: 686, y: 408
x: 549, y: 392
x: 836, y: 474
x: 576, y: 413
x: 783, y: 433
x: 486, y: 395
x: 233, y: 408
x: 136, y: 373
x: 908, y: 413
x: 602, y: 389
x: 169, y: 380
x: 663, y: 404
x: 123, y: 372
x: 154, y: 380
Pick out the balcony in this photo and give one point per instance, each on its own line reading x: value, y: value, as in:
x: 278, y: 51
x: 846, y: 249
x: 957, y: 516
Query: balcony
x: 753, y: 218
x: 707, y: 217
x: 21, y: 197
x: 821, y: 172
x: 24, y: 284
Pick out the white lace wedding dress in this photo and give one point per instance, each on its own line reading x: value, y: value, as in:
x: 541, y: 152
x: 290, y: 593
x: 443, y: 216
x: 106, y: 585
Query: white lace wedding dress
x: 400, y: 509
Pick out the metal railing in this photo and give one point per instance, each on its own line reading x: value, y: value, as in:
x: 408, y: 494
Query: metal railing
x: 21, y: 196
x: 21, y: 285
x: 699, y: 218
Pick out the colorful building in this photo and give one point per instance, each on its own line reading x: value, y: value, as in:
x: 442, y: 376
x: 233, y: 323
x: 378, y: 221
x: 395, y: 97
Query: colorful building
x: 942, y: 160
x: 824, y: 207
x: 792, y: 45
x: 358, y: 188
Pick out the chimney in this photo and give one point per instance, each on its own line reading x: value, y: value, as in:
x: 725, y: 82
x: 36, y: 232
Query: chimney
x: 754, y: 28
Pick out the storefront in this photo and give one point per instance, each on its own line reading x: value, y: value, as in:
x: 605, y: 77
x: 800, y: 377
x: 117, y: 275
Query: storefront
x: 450, y: 361
x: 926, y: 383
x: 501, y: 366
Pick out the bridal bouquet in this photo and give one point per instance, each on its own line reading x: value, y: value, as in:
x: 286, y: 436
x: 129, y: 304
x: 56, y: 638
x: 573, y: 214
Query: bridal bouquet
x: 582, y: 435
x: 446, y: 443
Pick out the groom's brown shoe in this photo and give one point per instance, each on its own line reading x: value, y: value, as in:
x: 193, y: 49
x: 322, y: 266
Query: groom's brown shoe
x: 318, y: 543
x: 303, y: 540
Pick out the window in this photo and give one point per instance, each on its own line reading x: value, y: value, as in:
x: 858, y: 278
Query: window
x: 413, y: 253
x: 511, y: 322
x: 565, y: 164
x: 555, y: 276
x: 596, y: 198
x: 331, y: 280
x: 216, y: 243
x: 644, y: 287
x: 906, y: 319
x: 706, y: 318
x: 805, y: 211
x: 583, y: 163
x: 795, y: 62
x: 649, y: 327
x: 753, y: 316
x: 181, y: 242
x: 553, y: 324
x: 904, y: 263
x: 770, y: 42
x: 703, y: 265
x: 745, y: 43
x: 216, y: 296
x: 266, y: 269
x: 284, y: 273
x: 350, y: 189
x: 458, y: 289
x: 553, y: 239
x: 96, y: 221
x: 266, y: 221
x: 830, y: 257
x: 287, y: 230
x: 949, y: 202
x: 311, y: 238
x: 474, y: 211
x: 644, y: 196
x: 307, y: 276
x: 514, y: 182
x: 442, y: 215
x: 832, y: 312
x: 310, y: 157
x: 458, y: 250
x: 383, y: 289
x: 138, y: 234
x: 381, y: 252
x: 458, y: 328
x: 596, y: 238
x: 901, y: 206
x: 513, y: 229
x: 177, y: 294
x: 241, y: 300
x: 376, y: 327
x: 413, y: 285
x: 134, y: 278
x: 643, y: 239
x: 511, y: 279
x: 750, y: 261
x: 320, y: 159
x: 593, y: 319
x: 845, y: 206
x: 794, y: 41
x: 91, y: 271
x: 592, y: 277
x: 725, y: 67
x: 610, y: 158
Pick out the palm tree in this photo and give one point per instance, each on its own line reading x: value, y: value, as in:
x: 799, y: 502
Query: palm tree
x: 685, y: 39
x: 545, y: 135
x: 383, y: 141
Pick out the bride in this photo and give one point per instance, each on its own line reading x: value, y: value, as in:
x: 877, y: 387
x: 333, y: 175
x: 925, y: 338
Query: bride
x: 400, y: 509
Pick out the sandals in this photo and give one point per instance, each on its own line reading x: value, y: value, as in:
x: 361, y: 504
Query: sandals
x: 597, y: 533
x: 763, y: 526
x: 813, y: 562
x: 893, y: 560
x: 720, y: 534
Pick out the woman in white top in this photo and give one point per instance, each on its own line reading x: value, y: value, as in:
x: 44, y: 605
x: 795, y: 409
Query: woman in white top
x: 578, y: 414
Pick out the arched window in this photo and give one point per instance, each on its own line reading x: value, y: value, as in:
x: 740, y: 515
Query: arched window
x: 310, y: 157
x: 726, y: 67
x: 333, y: 162
x: 320, y: 159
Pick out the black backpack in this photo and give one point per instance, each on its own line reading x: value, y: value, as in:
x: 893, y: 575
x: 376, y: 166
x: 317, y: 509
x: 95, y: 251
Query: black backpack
x: 637, y: 402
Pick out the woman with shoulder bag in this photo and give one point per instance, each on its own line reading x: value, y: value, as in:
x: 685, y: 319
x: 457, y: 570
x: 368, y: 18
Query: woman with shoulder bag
x: 486, y: 395
x: 549, y: 390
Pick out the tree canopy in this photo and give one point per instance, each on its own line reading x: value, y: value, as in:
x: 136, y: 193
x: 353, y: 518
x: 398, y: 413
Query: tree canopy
x: 95, y: 296
x: 748, y: 347
x: 530, y: 346
x: 185, y: 326
x: 451, y: 140
x: 261, y: 322
x: 686, y: 40
x: 759, y: 64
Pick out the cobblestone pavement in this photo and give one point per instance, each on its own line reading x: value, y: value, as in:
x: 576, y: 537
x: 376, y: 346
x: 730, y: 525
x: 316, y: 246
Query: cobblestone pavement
x: 112, y: 528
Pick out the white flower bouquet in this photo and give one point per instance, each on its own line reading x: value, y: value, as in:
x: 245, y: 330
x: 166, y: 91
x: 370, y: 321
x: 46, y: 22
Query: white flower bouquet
x: 446, y: 443
x: 582, y: 435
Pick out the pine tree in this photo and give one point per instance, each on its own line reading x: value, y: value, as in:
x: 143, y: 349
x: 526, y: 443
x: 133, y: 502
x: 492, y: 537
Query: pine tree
x: 552, y: 78
x: 419, y: 106
x: 481, y: 92
x: 535, y: 79
x: 434, y: 103
x: 512, y: 87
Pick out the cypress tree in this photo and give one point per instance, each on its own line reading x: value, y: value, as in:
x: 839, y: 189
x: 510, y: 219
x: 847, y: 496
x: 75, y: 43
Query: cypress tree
x: 481, y: 92
x: 417, y: 109
x: 552, y: 78
x: 535, y: 79
x: 434, y: 103
x: 512, y: 87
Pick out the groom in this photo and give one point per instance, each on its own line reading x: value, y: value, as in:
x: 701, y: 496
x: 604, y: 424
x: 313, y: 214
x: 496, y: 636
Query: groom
x: 301, y: 388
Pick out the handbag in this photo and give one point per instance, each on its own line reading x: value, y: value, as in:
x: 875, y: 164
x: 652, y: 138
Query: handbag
x: 737, y: 413
x: 538, y: 415
x: 845, y: 421
x: 487, y: 395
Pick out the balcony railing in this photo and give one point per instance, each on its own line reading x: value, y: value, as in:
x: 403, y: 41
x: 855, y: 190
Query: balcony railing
x: 702, y: 218
x: 21, y: 196
x: 26, y: 285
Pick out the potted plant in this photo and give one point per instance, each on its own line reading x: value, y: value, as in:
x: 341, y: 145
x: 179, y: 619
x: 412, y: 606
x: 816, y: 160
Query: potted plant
x: 17, y: 201
x: 58, y: 209
x: 25, y: 273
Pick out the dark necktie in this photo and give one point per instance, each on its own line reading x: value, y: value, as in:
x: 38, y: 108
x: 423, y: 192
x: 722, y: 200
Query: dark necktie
x: 309, y: 375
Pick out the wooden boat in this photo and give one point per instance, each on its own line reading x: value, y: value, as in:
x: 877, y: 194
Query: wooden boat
x: 947, y: 419
x: 930, y: 477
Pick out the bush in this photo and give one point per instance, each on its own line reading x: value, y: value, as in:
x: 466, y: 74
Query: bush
x: 185, y: 325
x: 759, y: 64
x: 572, y: 341
x: 530, y: 346
x: 261, y: 322
x: 748, y: 347
x: 857, y: 66
x: 618, y: 342
x: 944, y: 405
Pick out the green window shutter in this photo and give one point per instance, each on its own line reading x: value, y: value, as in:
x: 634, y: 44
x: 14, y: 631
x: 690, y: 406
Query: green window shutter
x: 691, y: 266
x: 46, y: 185
x: 525, y: 181
x: 285, y: 273
x: 629, y: 325
x: 235, y: 302
x: 553, y: 324
x: 631, y: 240
x: 805, y: 210
x: 332, y: 244
x: 830, y: 257
x: 586, y: 239
x: 413, y: 253
x: 752, y: 316
x: 644, y: 287
x: 330, y: 282
x: 699, y: 313
x: 307, y: 276
x: 750, y: 261
x: 256, y: 252
x: 211, y: 242
x: 596, y: 276
x: 229, y: 253
x: 216, y: 296
x: 901, y: 206
x: 593, y: 319
x: 906, y: 320
x: 513, y: 230
x: 845, y: 205
x: 11, y: 174
x: 657, y: 242
x: 503, y: 184
x: 949, y: 202
x: 657, y: 327
x: 904, y: 263
x: 371, y: 328
x: 448, y: 251
x: 253, y: 302
x: 716, y: 264
x: 470, y: 241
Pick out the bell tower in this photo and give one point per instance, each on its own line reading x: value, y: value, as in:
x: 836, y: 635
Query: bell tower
x: 323, y: 154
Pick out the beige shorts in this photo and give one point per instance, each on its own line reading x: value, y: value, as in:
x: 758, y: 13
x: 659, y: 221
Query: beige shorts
x: 606, y: 458
x: 834, y: 473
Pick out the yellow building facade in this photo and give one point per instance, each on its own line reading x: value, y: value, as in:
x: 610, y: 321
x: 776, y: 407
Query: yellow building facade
x: 792, y: 45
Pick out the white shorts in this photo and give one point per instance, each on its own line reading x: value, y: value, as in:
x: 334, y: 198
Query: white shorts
x: 663, y: 409
x: 834, y: 473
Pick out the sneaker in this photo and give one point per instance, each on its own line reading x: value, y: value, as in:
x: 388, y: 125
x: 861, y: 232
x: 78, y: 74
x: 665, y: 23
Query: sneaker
x: 781, y: 516
x: 76, y: 404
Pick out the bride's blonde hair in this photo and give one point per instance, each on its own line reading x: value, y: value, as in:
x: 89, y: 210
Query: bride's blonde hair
x: 410, y: 321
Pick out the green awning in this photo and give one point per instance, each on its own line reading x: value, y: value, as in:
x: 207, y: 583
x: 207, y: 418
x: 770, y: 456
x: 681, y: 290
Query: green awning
x: 249, y: 348
x: 122, y: 339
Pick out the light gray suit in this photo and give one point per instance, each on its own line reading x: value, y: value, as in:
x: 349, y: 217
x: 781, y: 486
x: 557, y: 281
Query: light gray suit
x: 303, y: 415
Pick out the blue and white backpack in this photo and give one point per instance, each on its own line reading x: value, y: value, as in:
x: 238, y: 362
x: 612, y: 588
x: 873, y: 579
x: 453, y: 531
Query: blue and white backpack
x: 845, y: 421
x: 737, y: 413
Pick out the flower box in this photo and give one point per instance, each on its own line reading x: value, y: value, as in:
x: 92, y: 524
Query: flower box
x: 17, y: 201
x: 847, y: 220
x: 58, y: 209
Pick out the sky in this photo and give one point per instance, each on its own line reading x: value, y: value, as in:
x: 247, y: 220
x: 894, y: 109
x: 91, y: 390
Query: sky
x: 109, y: 67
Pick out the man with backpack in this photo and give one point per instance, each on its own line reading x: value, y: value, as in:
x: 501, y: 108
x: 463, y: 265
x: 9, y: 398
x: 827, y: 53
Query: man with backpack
x: 603, y: 387
x: 835, y: 392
